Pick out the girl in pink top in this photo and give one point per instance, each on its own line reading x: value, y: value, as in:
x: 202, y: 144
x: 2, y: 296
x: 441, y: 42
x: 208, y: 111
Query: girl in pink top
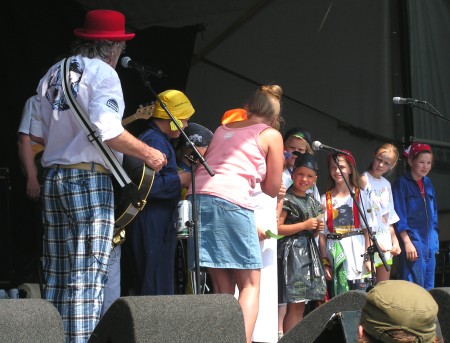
x: 241, y: 154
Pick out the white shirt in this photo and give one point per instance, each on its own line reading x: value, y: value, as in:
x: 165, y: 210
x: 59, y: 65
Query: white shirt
x: 31, y: 106
x: 99, y: 93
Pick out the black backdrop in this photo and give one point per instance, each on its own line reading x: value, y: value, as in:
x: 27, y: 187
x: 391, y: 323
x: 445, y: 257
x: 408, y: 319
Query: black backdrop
x: 37, y: 34
x: 347, y: 74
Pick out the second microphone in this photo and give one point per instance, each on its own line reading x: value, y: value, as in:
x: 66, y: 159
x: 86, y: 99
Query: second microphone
x: 127, y: 62
x: 316, y: 145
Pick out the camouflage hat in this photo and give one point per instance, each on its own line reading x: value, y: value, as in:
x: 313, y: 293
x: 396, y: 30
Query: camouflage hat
x: 198, y: 134
x: 399, y: 304
x: 306, y: 160
x: 297, y: 132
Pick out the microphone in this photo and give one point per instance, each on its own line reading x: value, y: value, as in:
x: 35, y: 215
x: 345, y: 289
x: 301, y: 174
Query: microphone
x: 127, y: 62
x: 406, y: 101
x: 316, y: 145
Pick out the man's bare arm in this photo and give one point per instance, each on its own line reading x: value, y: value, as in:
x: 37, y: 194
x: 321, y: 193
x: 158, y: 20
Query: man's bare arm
x: 129, y: 145
x: 26, y: 158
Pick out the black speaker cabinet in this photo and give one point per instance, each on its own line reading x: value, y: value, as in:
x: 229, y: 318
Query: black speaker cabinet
x: 314, y: 323
x: 30, y: 321
x: 442, y: 296
x: 192, y: 318
x: 6, y: 262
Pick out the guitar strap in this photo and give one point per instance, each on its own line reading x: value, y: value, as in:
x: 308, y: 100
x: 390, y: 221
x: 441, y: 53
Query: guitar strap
x: 108, y: 156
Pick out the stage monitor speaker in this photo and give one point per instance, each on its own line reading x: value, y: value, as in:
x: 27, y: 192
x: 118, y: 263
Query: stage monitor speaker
x: 30, y: 321
x: 172, y: 318
x: 442, y: 296
x: 313, y: 324
x: 342, y: 327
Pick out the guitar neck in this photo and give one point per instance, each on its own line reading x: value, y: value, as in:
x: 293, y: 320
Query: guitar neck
x: 129, y: 119
x: 141, y: 113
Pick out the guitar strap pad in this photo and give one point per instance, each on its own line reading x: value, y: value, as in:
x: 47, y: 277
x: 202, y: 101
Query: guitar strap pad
x: 132, y: 193
x: 84, y: 121
x: 130, y: 190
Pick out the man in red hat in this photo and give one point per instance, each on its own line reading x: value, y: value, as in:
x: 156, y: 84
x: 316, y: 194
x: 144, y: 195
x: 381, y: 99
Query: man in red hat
x: 78, y: 200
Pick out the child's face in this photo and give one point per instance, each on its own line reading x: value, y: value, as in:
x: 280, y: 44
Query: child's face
x: 303, y: 178
x: 294, y: 144
x: 421, y: 166
x: 336, y: 174
x: 382, y: 163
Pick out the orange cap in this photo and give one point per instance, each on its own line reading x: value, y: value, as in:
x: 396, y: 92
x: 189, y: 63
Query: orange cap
x: 237, y: 114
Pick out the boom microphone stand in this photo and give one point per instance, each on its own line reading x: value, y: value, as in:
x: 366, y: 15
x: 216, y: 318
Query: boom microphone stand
x: 433, y: 110
x: 374, y: 247
x: 192, y: 163
x: 198, y: 157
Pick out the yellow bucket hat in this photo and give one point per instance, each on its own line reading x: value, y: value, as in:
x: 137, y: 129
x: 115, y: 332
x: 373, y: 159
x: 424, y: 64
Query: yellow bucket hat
x: 178, y: 105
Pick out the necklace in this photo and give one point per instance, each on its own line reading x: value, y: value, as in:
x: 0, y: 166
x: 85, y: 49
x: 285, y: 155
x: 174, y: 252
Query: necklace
x: 373, y: 177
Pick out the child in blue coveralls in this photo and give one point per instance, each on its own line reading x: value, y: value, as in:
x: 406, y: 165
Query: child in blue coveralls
x: 415, y: 204
x: 151, y: 236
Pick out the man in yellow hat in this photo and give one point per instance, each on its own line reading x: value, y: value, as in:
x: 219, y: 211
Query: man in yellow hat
x: 77, y: 194
x: 152, y: 236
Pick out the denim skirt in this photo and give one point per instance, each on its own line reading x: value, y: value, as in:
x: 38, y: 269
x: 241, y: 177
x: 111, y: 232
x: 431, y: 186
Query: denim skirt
x: 227, y: 235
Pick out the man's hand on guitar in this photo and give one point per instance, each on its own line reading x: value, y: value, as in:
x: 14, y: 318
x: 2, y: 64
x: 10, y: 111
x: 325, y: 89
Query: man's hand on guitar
x: 127, y: 144
x: 156, y: 160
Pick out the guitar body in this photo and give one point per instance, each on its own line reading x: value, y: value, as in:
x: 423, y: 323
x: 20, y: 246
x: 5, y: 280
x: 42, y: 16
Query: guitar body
x: 38, y: 151
x: 142, y: 176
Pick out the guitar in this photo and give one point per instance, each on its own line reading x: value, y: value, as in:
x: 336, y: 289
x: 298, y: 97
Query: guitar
x: 140, y: 174
x: 38, y: 150
x: 125, y: 210
x: 143, y: 112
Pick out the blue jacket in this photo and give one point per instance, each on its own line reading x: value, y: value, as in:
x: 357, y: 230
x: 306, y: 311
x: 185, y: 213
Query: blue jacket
x: 419, y: 216
x: 152, y: 236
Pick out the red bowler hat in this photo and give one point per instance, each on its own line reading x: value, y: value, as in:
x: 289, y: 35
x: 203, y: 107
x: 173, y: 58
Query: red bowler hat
x: 104, y: 25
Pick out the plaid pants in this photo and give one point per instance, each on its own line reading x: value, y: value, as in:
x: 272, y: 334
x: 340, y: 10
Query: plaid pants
x: 78, y: 218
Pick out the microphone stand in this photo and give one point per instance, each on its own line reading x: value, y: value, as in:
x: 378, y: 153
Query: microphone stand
x: 192, y: 163
x: 435, y: 112
x: 145, y: 74
x: 374, y: 247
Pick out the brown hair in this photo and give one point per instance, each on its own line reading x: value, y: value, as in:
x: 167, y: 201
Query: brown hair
x: 353, y: 177
x: 261, y: 103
